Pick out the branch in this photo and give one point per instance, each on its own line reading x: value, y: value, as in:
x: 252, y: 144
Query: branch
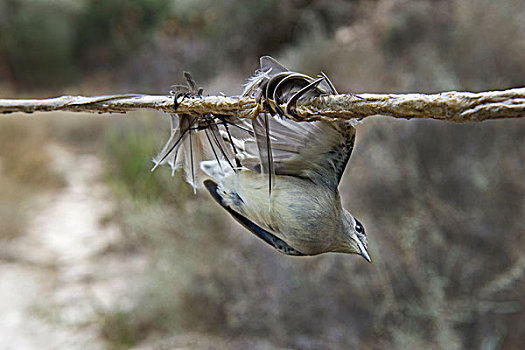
x: 452, y: 106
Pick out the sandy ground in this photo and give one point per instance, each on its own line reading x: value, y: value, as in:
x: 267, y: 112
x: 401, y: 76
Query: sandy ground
x: 55, y: 279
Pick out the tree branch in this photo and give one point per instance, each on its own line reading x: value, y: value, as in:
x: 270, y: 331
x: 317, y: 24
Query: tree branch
x: 459, y: 107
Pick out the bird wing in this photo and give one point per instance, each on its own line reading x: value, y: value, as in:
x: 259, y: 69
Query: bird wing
x: 317, y: 150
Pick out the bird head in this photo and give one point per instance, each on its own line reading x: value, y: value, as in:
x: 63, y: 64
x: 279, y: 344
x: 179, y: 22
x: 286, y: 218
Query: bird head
x: 354, y: 237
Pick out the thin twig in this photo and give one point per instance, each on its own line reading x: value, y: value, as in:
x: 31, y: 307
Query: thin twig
x: 459, y: 107
x: 506, y: 279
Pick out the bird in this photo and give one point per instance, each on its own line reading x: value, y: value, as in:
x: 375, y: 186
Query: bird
x: 276, y: 176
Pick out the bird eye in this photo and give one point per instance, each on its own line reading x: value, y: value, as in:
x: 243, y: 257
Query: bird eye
x: 358, y: 227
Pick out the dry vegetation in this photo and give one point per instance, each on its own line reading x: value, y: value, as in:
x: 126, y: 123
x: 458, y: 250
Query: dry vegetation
x: 24, y: 170
x: 443, y: 204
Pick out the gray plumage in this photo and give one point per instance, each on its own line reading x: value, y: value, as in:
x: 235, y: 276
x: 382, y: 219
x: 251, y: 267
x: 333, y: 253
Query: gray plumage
x: 283, y: 184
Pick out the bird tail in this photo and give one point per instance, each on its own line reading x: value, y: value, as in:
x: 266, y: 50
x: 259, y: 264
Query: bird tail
x: 193, y: 139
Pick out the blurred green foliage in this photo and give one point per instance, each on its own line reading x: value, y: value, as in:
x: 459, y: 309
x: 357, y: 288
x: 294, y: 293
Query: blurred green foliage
x: 38, y: 42
x: 129, y: 146
x: 48, y: 44
x: 108, y: 31
x: 235, y: 33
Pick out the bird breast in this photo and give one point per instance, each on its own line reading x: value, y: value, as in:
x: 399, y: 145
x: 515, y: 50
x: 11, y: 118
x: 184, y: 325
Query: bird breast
x: 305, y: 215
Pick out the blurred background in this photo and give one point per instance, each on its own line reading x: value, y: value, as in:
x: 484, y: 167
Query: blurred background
x: 97, y: 252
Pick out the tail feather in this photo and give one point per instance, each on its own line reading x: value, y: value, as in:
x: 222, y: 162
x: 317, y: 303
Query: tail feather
x: 192, y: 140
x: 168, y: 154
x: 192, y: 157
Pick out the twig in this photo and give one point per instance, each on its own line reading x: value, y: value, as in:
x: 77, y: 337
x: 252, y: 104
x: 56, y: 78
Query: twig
x: 459, y: 107
x: 506, y: 279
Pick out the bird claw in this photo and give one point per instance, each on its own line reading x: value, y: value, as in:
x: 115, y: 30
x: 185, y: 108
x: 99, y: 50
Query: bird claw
x: 291, y: 105
x: 186, y: 91
x: 176, y: 96
x: 290, y: 76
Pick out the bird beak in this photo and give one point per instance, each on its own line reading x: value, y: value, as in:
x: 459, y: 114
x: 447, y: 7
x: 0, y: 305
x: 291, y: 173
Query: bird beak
x: 364, y: 252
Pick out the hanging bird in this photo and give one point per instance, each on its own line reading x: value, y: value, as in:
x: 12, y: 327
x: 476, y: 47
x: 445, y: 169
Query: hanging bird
x: 278, y: 177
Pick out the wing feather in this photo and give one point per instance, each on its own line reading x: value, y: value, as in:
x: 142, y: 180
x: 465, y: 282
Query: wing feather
x: 315, y: 150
